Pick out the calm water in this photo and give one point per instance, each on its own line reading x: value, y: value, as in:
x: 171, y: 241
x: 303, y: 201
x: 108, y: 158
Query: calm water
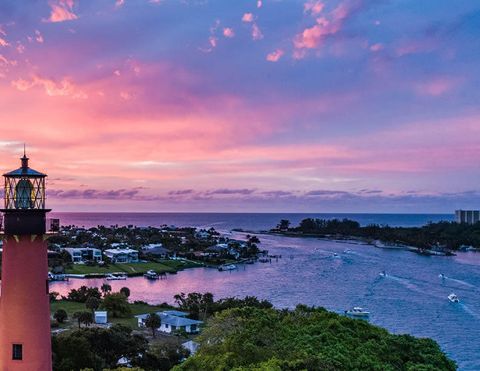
x: 411, y: 299
x: 227, y: 221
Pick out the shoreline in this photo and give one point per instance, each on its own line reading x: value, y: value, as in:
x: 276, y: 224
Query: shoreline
x: 353, y: 240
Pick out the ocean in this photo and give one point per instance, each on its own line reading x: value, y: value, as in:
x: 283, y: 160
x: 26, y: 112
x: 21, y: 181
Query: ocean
x: 411, y: 299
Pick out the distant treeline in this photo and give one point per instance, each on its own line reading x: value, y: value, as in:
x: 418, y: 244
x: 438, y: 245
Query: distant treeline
x: 449, y: 235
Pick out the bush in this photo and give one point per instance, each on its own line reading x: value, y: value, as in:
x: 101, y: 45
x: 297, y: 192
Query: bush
x: 60, y: 315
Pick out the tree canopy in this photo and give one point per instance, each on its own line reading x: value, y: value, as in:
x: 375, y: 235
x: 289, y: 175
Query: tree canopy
x: 307, y: 339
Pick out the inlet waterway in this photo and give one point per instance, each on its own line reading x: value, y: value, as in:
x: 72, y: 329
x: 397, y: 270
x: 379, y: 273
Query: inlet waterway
x: 411, y: 299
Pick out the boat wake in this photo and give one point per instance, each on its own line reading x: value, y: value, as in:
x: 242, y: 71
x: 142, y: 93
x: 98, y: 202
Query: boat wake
x: 458, y: 281
x: 468, y: 310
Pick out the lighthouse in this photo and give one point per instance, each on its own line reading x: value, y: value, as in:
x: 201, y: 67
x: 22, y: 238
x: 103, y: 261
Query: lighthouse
x: 25, y: 343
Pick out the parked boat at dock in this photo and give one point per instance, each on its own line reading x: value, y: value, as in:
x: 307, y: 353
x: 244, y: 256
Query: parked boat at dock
x: 227, y: 267
x: 116, y: 276
x: 151, y: 275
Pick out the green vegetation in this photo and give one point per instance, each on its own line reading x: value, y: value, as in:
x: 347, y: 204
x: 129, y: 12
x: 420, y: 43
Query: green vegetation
x: 307, y: 339
x: 167, y: 266
x: 71, y: 307
x: 240, y: 334
x: 442, y: 235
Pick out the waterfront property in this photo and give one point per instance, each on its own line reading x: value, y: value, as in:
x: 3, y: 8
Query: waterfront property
x: 122, y: 255
x: 467, y: 216
x: 83, y: 254
x: 171, y: 321
x: 158, y: 252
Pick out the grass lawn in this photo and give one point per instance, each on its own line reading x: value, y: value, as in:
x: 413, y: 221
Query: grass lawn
x: 72, y: 307
x: 168, y: 266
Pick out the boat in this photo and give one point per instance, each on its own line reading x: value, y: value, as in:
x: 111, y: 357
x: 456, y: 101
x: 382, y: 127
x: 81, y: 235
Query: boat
x: 442, y: 276
x: 453, y: 298
x: 151, y: 275
x: 227, y: 267
x: 383, y: 274
x: 357, y: 312
x: 335, y: 256
x: 114, y: 277
x: 57, y: 277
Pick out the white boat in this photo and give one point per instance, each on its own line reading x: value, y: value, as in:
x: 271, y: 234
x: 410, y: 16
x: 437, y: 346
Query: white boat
x: 151, y: 275
x: 335, y: 256
x: 442, y: 276
x: 453, y: 298
x: 357, y: 312
x: 383, y: 274
x: 57, y: 277
x: 227, y: 267
x: 114, y: 277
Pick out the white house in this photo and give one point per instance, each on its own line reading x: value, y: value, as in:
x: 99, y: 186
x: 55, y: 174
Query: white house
x: 172, y: 320
x: 83, y: 254
x: 100, y: 317
x: 122, y: 255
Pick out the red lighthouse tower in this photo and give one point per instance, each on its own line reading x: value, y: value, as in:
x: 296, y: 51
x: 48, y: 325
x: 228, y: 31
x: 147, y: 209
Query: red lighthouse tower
x: 24, y: 303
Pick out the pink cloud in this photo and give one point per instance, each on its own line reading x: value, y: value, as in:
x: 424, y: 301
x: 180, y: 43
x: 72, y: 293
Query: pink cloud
x: 275, y: 55
x: 328, y: 25
x: 3, y: 42
x: 437, y: 86
x: 247, y: 18
x: 256, y: 32
x: 259, y: 3
x: 119, y: 3
x: 38, y: 36
x: 314, y: 7
x: 63, y: 88
x: 376, y: 47
x: 61, y: 10
x: 228, y: 32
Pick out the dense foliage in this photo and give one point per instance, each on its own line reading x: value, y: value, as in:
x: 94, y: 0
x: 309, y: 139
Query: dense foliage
x: 444, y: 234
x: 99, y: 349
x: 307, y: 339
x: 203, y: 305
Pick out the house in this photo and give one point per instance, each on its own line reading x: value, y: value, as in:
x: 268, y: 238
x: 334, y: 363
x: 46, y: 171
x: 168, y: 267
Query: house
x: 80, y: 255
x: 122, y: 255
x: 151, y: 246
x: 202, y: 234
x: 172, y: 320
x: 159, y: 252
x: 100, y: 317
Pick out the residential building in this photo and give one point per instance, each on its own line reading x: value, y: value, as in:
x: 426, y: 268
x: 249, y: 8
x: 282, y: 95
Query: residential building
x: 467, y: 216
x: 82, y: 254
x: 101, y: 317
x: 159, y: 252
x: 172, y: 321
x: 122, y: 255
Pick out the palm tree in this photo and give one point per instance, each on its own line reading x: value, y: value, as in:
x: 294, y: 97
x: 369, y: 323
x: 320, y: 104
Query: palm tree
x: 92, y: 303
x: 106, y: 288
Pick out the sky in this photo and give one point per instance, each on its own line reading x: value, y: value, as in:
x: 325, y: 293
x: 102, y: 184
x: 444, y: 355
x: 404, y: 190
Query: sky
x: 246, y: 105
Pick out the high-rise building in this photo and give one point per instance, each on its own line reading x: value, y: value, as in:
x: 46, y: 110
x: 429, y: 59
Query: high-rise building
x: 24, y: 303
x: 467, y: 216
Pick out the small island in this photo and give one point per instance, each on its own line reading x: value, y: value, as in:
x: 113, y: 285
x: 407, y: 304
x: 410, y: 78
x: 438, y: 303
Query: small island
x: 442, y: 238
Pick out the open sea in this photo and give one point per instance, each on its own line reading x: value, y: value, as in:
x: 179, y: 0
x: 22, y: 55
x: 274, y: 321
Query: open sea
x: 411, y: 299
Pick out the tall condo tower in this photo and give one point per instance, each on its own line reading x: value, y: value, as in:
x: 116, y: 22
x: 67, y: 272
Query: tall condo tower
x: 24, y: 302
